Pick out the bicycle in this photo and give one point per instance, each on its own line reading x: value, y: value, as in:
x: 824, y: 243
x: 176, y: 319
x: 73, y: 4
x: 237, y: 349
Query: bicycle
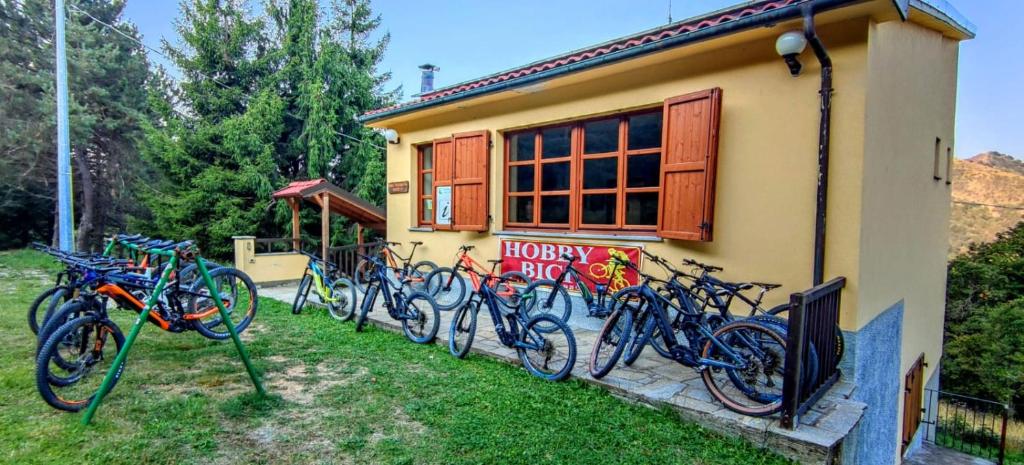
x: 550, y: 295
x: 741, y: 362
x: 73, y: 341
x: 337, y: 293
x: 448, y: 288
x: 417, y: 311
x: 547, y: 354
x: 417, y: 271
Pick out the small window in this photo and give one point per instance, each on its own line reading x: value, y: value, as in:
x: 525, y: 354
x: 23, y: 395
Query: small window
x: 938, y: 160
x: 425, y: 184
x: 949, y: 165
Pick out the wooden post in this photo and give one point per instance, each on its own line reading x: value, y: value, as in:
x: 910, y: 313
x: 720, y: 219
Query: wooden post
x: 359, y: 233
x: 325, y: 224
x: 296, y: 244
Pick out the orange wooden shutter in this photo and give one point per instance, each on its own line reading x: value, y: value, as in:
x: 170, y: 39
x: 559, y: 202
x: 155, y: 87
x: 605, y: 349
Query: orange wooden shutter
x: 443, y: 166
x: 690, y: 145
x: 471, y: 154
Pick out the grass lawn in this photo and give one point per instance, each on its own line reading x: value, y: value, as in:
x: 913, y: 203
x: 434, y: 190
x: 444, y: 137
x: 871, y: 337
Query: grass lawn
x: 337, y: 397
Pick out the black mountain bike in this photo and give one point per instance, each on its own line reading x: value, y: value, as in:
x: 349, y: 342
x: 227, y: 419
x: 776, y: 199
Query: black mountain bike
x: 545, y: 344
x: 550, y: 296
x: 417, y: 311
x: 416, y: 272
x: 741, y: 363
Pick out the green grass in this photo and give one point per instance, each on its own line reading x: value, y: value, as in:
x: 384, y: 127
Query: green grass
x: 337, y: 397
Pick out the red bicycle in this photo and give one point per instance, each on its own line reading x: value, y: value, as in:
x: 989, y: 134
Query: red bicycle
x: 448, y: 285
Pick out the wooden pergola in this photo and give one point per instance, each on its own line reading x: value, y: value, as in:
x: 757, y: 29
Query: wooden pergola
x: 331, y: 199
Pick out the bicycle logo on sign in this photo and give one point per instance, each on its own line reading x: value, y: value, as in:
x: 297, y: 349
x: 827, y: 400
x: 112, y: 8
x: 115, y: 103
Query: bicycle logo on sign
x: 615, y: 274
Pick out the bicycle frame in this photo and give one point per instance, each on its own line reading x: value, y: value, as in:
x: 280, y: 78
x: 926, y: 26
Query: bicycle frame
x: 322, y: 281
x: 394, y: 303
x: 475, y: 271
x: 486, y: 294
x: 603, y: 289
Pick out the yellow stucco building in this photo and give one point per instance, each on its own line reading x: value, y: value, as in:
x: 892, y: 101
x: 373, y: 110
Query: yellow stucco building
x: 694, y: 140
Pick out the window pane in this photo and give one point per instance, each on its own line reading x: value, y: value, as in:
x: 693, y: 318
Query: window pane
x: 645, y: 131
x: 520, y: 178
x: 427, y: 184
x: 554, y: 209
x: 555, y: 142
x: 601, y: 173
x: 428, y: 210
x: 521, y: 147
x: 642, y: 208
x: 427, y: 154
x: 599, y: 209
x: 643, y: 170
x: 601, y: 136
x: 520, y: 209
x: 554, y: 177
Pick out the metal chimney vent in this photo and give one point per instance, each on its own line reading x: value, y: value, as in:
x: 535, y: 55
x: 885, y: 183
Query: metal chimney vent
x: 427, y: 78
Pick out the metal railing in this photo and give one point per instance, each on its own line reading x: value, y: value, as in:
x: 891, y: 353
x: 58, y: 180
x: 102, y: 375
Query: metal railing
x: 813, y: 319
x: 346, y: 257
x: 277, y: 244
x: 968, y: 424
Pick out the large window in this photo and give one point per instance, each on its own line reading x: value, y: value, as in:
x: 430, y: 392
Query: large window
x: 425, y: 185
x: 598, y: 174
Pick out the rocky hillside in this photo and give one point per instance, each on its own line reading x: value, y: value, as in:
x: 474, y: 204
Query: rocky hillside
x: 988, y: 178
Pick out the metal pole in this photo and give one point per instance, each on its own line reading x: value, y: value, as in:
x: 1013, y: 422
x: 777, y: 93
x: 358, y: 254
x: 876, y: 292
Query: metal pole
x: 824, y: 140
x: 136, y: 328
x: 64, y: 212
x: 226, y: 318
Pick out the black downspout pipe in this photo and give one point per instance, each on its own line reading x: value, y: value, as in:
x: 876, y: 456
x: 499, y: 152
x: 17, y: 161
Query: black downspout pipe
x: 824, y: 133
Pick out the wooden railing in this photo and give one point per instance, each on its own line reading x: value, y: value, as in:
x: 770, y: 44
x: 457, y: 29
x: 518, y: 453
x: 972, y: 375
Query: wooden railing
x: 813, y: 323
x: 347, y: 257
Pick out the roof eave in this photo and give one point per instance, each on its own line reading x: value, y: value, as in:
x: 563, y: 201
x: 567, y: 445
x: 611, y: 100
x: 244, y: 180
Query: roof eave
x: 785, y: 13
x: 945, y: 13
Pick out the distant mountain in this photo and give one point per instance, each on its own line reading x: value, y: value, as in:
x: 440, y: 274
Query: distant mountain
x: 989, y: 178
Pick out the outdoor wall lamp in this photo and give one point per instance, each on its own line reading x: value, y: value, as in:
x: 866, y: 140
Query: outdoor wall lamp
x: 790, y: 45
x: 390, y: 135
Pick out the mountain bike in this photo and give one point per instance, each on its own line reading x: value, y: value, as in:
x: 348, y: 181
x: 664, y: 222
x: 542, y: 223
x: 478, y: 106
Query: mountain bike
x: 416, y: 272
x: 741, y: 363
x: 545, y: 344
x: 417, y: 311
x: 336, y: 292
x: 448, y: 287
x: 73, y: 342
x: 550, y: 295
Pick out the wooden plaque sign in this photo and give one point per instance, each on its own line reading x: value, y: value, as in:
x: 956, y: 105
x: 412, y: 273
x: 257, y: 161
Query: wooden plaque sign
x: 400, y: 187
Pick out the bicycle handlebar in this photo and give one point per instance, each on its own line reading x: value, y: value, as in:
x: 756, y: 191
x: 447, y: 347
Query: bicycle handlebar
x: 703, y: 266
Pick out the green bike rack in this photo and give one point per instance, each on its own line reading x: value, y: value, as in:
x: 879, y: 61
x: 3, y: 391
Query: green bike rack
x: 122, y: 355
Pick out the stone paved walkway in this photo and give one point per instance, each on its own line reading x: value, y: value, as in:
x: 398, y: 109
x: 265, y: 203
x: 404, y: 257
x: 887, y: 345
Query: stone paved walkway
x: 659, y: 382
x: 930, y: 454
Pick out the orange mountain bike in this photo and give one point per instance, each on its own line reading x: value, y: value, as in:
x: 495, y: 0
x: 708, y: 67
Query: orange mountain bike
x: 448, y: 286
x: 415, y: 272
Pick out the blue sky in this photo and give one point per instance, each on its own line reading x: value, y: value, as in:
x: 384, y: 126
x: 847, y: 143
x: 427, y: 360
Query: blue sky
x: 471, y: 38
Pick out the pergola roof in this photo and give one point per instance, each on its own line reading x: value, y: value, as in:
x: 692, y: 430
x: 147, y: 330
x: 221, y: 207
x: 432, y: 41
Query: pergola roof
x: 341, y: 202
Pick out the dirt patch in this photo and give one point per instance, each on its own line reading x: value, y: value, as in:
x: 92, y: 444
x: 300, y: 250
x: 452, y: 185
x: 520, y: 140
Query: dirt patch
x: 252, y: 331
x: 300, y: 385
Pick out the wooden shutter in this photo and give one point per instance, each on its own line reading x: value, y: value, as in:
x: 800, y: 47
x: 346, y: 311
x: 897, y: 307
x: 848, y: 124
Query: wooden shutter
x: 471, y: 156
x: 443, y: 166
x: 690, y: 145
x: 913, y: 396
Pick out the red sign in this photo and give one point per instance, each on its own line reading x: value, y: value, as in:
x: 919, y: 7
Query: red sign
x: 543, y: 260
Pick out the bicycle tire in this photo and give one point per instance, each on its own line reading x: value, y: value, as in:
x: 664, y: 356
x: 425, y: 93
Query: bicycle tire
x: 446, y: 296
x: 425, y: 319
x: 71, y: 310
x: 362, y: 274
x: 529, y: 332
x: 58, y: 299
x: 716, y: 388
x: 343, y: 294
x: 301, y: 294
x: 615, y: 335
x: 420, y: 270
x: 840, y: 339
x: 249, y: 299
x: 33, y: 309
x: 461, y: 332
x: 537, y: 295
x: 364, y: 309
x: 61, y: 401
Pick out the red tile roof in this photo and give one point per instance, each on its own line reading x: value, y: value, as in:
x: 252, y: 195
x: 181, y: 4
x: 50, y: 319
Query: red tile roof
x: 671, y: 30
x: 296, y: 187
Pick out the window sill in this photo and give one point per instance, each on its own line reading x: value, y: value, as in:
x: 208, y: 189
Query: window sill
x: 421, y: 229
x: 567, y: 235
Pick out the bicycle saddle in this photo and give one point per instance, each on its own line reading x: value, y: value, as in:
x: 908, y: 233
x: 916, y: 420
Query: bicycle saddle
x: 766, y: 286
x: 416, y: 242
x: 495, y: 261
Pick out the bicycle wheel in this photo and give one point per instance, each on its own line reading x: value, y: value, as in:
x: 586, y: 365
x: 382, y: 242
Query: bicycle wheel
x: 546, y: 297
x: 238, y: 294
x: 35, y: 319
x: 302, y: 293
x: 69, y: 311
x: 188, y: 274
x: 447, y: 287
x: 362, y: 274
x: 92, y: 356
x: 419, y: 273
x: 611, y: 341
x: 342, y: 305
x: 548, y: 355
x: 422, y: 319
x: 462, y: 329
x: 364, y: 309
x: 779, y: 325
x: 757, y: 360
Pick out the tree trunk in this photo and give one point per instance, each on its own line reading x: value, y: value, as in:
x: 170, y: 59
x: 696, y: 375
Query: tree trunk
x: 87, y: 219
